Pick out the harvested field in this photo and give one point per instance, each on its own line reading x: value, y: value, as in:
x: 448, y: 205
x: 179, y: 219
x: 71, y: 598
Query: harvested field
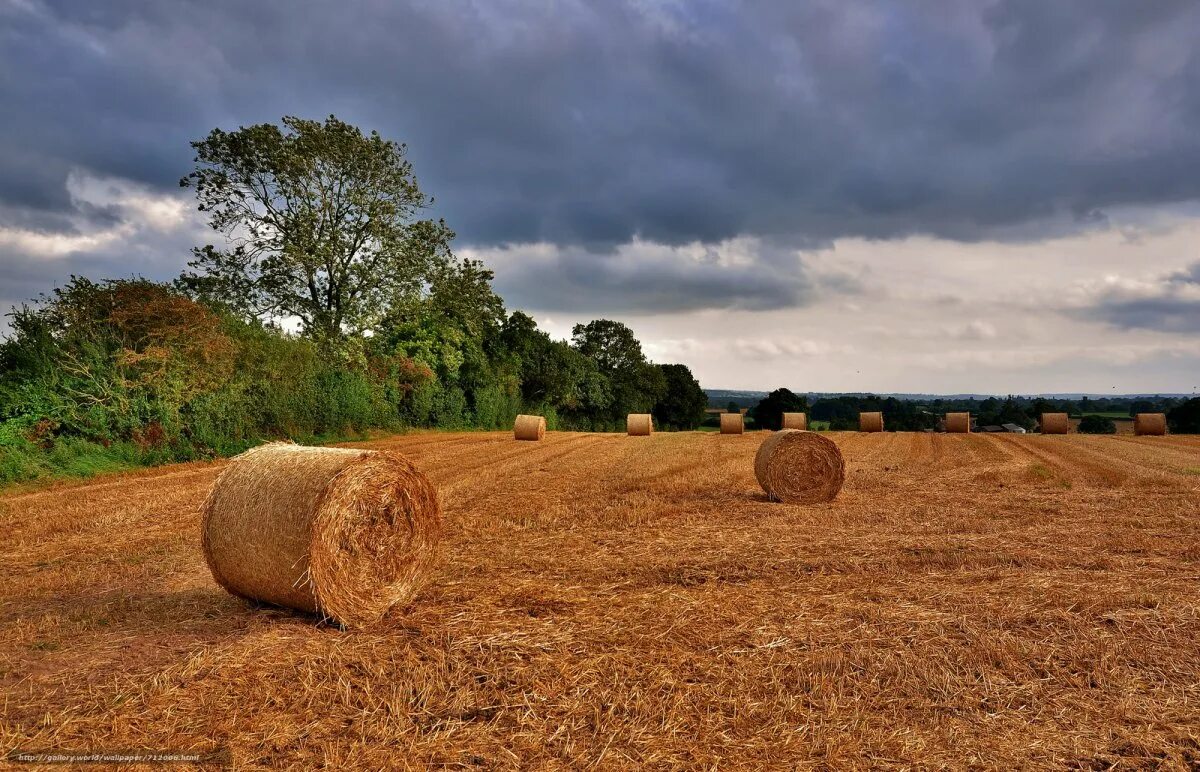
x: 967, y: 600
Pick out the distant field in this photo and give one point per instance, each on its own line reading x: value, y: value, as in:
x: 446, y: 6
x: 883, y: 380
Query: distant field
x: 608, y: 601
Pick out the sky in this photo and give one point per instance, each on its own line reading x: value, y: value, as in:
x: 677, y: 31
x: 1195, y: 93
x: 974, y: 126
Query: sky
x: 946, y: 196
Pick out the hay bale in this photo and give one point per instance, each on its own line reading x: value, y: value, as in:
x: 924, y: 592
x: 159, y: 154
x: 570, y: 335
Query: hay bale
x: 870, y: 422
x: 799, y: 467
x: 958, y: 423
x: 795, y: 421
x: 640, y: 424
x: 338, y: 532
x: 1055, y: 423
x: 529, y: 427
x: 732, y: 423
x: 1151, y: 424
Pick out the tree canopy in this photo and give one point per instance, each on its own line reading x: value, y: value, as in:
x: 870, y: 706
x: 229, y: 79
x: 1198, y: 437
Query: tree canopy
x: 768, y: 413
x: 321, y: 223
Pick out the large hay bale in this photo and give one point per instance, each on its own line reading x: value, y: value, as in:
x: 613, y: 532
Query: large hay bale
x: 338, y: 532
x: 1152, y: 424
x: 958, y: 423
x: 1055, y: 423
x: 639, y: 424
x: 529, y: 427
x: 799, y: 467
x: 732, y: 423
x: 870, y: 422
x: 795, y: 421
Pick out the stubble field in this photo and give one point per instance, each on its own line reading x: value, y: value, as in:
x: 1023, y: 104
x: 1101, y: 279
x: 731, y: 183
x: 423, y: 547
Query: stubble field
x: 611, y: 601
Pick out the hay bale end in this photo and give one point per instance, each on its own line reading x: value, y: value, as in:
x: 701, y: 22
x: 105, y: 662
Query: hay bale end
x: 799, y: 467
x: 343, y: 533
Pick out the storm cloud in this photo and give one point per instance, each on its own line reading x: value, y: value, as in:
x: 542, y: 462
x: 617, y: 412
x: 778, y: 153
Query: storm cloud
x: 592, y: 123
x: 641, y: 157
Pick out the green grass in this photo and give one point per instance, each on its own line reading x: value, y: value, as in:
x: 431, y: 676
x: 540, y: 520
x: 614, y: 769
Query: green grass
x: 1116, y: 416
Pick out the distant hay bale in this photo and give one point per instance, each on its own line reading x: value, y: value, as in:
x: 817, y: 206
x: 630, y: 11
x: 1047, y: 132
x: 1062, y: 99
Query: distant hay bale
x: 870, y: 422
x: 640, y: 424
x: 1151, y: 424
x: 958, y: 423
x: 799, y: 467
x: 795, y: 421
x: 529, y: 427
x: 338, y: 532
x: 1055, y: 423
x: 732, y: 423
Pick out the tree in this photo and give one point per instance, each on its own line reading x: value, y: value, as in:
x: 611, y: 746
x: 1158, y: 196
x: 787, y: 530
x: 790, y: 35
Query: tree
x: 551, y: 372
x: 635, y: 384
x: 1185, y: 418
x: 1096, y: 424
x: 733, y: 407
x: 683, y: 405
x: 321, y: 221
x: 768, y: 413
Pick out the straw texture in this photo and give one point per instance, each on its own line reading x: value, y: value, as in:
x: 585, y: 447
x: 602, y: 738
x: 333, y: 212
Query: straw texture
x: 529, y: 427
x: 958, y: 423
x: 732, y: 423
x: 799, y: 467
x: 338, y: 532
x: 1055, y: 423
x: 870, y: 422
x: 640, y: 424
x: 795, y: 421
x: 1152, y: 424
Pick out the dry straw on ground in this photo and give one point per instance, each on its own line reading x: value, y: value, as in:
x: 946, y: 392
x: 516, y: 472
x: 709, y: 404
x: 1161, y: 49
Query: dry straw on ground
x: 1055, y: 423
x: 343, y: 533
x: 870, y: 422
x: 529, y: 427
x: 958, y: 423
x: 795, y: 421
x: 732, y: 423
x: 1152, y: 424
x: 799, y: 467
x: 639, y: 424
x: 1005, y: 600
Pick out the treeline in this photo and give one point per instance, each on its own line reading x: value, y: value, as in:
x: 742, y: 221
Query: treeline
x: 126, y: 372
x: 320, y: 231
x: 841, y: 412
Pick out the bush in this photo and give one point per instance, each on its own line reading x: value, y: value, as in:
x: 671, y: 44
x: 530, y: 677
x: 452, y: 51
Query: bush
x: 1097, y: 424
x: 1185, y: 418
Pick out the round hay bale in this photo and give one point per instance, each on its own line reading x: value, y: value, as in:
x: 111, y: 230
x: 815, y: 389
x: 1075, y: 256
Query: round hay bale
x: 640, y: 424
x: 799, y: 467
x: 732, y: 423
x: 1055, y: 423
x: 958, y: 423
x: 529, y: 427
x: 342, y: 533
x: 795, y: 421
x: 870, y: 422
x: 1151, y: 424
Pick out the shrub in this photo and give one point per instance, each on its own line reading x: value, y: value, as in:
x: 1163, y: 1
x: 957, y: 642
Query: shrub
x: 1096, y: 424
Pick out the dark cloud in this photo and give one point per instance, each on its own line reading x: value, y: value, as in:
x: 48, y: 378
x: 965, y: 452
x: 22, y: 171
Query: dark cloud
x: 589, y: 124
x: 744, y: 274
x: 1172, y: 305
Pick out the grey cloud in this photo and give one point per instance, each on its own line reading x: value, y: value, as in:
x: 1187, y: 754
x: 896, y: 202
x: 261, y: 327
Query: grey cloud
x: 650, y: 278
x: 1172, y: 306
x: 596, y: 123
